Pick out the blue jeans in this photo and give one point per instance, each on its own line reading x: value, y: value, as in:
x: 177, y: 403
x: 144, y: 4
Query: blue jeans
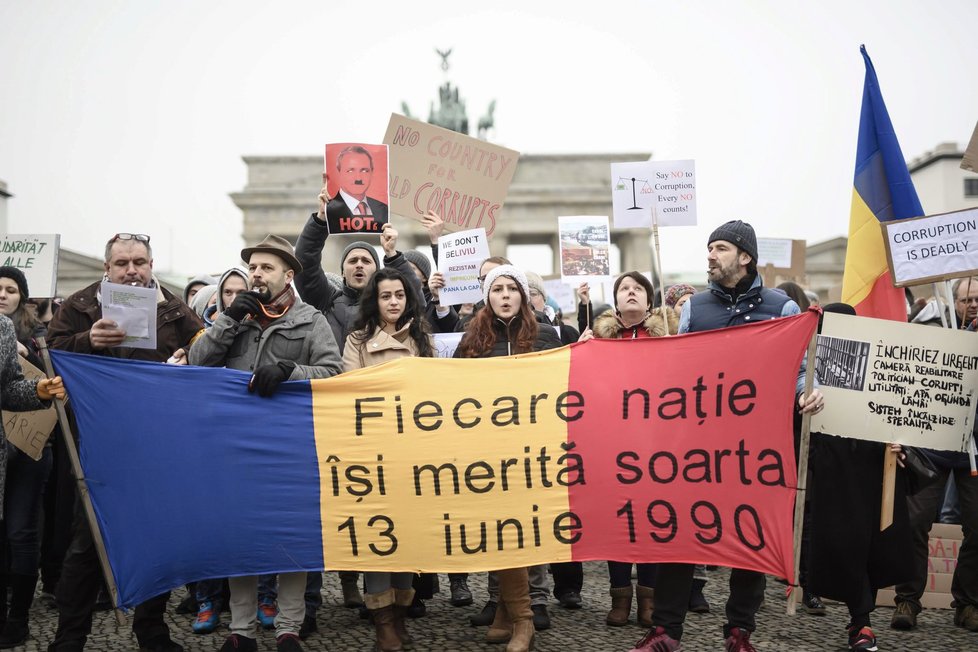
x: 22, y: 508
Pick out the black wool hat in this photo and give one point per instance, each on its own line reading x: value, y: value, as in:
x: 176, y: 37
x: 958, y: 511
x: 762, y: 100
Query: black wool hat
x: 420, y: 261
x: 359, y: 244
x: 18, y: 277
x: 739, y: 234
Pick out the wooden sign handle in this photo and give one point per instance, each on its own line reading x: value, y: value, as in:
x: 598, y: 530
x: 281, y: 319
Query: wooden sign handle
x: 889, y: 486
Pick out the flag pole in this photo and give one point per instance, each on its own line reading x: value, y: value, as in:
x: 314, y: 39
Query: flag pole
x: 81, y: 485
x: 806, y: 426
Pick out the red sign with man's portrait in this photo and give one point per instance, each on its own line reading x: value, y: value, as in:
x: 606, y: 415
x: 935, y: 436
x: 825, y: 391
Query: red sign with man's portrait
x: 357, y: 183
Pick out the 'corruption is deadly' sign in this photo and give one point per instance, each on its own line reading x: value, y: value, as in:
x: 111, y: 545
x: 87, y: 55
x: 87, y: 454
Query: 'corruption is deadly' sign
x: 932, y: 248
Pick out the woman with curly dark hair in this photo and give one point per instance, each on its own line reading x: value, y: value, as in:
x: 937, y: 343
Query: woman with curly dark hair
x: 391, y: 324
x: 507, y: 326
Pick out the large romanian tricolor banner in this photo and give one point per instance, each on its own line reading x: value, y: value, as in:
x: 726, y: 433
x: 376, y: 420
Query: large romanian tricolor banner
x: 882, y: 191
x: 675, y: 449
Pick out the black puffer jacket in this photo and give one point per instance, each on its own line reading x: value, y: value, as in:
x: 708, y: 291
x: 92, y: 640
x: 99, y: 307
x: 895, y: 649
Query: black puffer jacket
x: 546, y: 339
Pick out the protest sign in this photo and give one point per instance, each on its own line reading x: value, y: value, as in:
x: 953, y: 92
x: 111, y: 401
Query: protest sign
x: 36, y: 256
x: 667, y: 186
x: 133, y: 309
x: 581, y: 453
x: 459, y: 257
x: 889, y: 381
x: 781, y: 258
x: 463, y: 179
x: 585, y: 244
x: 932, y: 248
x: 446, y: 343
x: 562, y: 293
x: 970, y: 159
x: 357, y: 181
x: 29, y: 431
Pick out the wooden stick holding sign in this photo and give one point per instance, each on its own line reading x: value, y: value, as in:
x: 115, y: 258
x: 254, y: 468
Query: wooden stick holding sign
x: 658, y: 269
x: 889, y: 486
x: 806, y: 429
x: 80, y: 483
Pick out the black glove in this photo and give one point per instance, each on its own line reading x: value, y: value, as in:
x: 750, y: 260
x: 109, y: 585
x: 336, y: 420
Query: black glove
x: 246, y: 303
x: 268, y: 377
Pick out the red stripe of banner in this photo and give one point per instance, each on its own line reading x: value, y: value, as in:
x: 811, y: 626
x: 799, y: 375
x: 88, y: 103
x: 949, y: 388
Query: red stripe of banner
x: 702, y: 468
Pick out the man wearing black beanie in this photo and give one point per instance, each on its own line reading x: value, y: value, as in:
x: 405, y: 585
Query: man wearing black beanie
x: 735, y: 296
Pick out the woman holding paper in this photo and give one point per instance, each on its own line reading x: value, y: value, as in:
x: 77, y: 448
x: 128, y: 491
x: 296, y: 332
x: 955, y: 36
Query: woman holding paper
x: 507, y: 326
x: 24, y: 477
x: 391, y: 324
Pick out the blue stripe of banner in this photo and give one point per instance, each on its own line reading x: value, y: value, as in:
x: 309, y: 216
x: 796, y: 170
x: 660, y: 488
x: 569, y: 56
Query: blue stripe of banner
x: 191, y: 476
x: 881, y: 177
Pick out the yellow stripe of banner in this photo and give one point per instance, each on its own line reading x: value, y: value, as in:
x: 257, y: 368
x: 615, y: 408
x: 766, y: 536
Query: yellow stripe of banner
x: 423, y: 459
x: 865, y: 254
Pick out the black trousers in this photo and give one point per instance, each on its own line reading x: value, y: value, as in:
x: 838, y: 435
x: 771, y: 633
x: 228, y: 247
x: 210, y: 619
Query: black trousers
x: 672, y: 588
x: 568, y: 577
x: 923, y: 507
x: 81, y: 576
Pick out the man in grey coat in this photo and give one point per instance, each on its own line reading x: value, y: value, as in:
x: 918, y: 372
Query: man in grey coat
x: 271, y: 333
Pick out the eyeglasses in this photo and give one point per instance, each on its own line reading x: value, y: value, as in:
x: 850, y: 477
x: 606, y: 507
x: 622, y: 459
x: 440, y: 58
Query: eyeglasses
x: 969, y: 300
x: 139, y: 237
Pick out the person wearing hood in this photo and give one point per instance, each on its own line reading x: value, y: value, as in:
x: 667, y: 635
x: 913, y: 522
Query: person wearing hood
x: 357, y: 264
x: 195, y: 284
x: 204, y: 304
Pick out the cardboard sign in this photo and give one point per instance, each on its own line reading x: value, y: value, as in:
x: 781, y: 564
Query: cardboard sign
x: 357, y: 180
x: 665, y: 188
x: 37, y: 257
x: 889, y: 381
x: 463, y: 179
x: 585, y: 243
x: 932, y: 248
x: 781, y: 258
x: 775, y: 252
x: 459, y: 257
x: 29, y: 431
x: 970, y: 160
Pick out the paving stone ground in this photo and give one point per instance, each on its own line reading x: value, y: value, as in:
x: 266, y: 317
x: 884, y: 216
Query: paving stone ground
x: 446, y: 628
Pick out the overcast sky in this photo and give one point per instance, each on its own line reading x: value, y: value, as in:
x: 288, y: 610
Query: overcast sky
x: 134, y: 116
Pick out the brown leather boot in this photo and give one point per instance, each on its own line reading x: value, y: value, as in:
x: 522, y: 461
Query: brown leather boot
x: 522, y: 640
x: 501, y: 629
x: 381, y: 606
x: 621, y: 606
x: 646, y: 604
x: 514, y: 595
x: 402, y: 601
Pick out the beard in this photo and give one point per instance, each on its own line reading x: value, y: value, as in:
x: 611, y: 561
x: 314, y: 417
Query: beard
x: 723, y: 275
x: 263, y: 292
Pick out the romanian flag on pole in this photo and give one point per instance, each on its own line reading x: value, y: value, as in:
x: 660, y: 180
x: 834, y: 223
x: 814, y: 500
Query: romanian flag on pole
x: 882, y: 191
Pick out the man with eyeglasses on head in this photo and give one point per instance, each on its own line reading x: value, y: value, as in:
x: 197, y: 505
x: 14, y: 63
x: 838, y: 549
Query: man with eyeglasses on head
x: 965, y: 292
x: 80, y: 327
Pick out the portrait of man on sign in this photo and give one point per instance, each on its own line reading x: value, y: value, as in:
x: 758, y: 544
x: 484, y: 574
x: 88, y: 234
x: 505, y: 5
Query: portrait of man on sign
x: 356, y: 180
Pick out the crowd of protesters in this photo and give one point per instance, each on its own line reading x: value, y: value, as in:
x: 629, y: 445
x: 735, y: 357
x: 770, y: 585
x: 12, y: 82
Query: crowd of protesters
x: 284, y: 317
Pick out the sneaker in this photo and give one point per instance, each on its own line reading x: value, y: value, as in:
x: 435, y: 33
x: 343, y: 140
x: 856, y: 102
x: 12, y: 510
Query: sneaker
x: 656, y: 640
x: 813, y: 604
x: 266, y: 614
x: 238, y: 643
x: 461, y: 595
x: 967, y: 617
x: 308, y: 628
x: 207, y: 618
x: 570, y: 600
x: 904, y: 616
x: 541, y: 619
x: 288, y: 643
x: 738, y: 641
x: 485, y: 617
x: 862, y: 639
